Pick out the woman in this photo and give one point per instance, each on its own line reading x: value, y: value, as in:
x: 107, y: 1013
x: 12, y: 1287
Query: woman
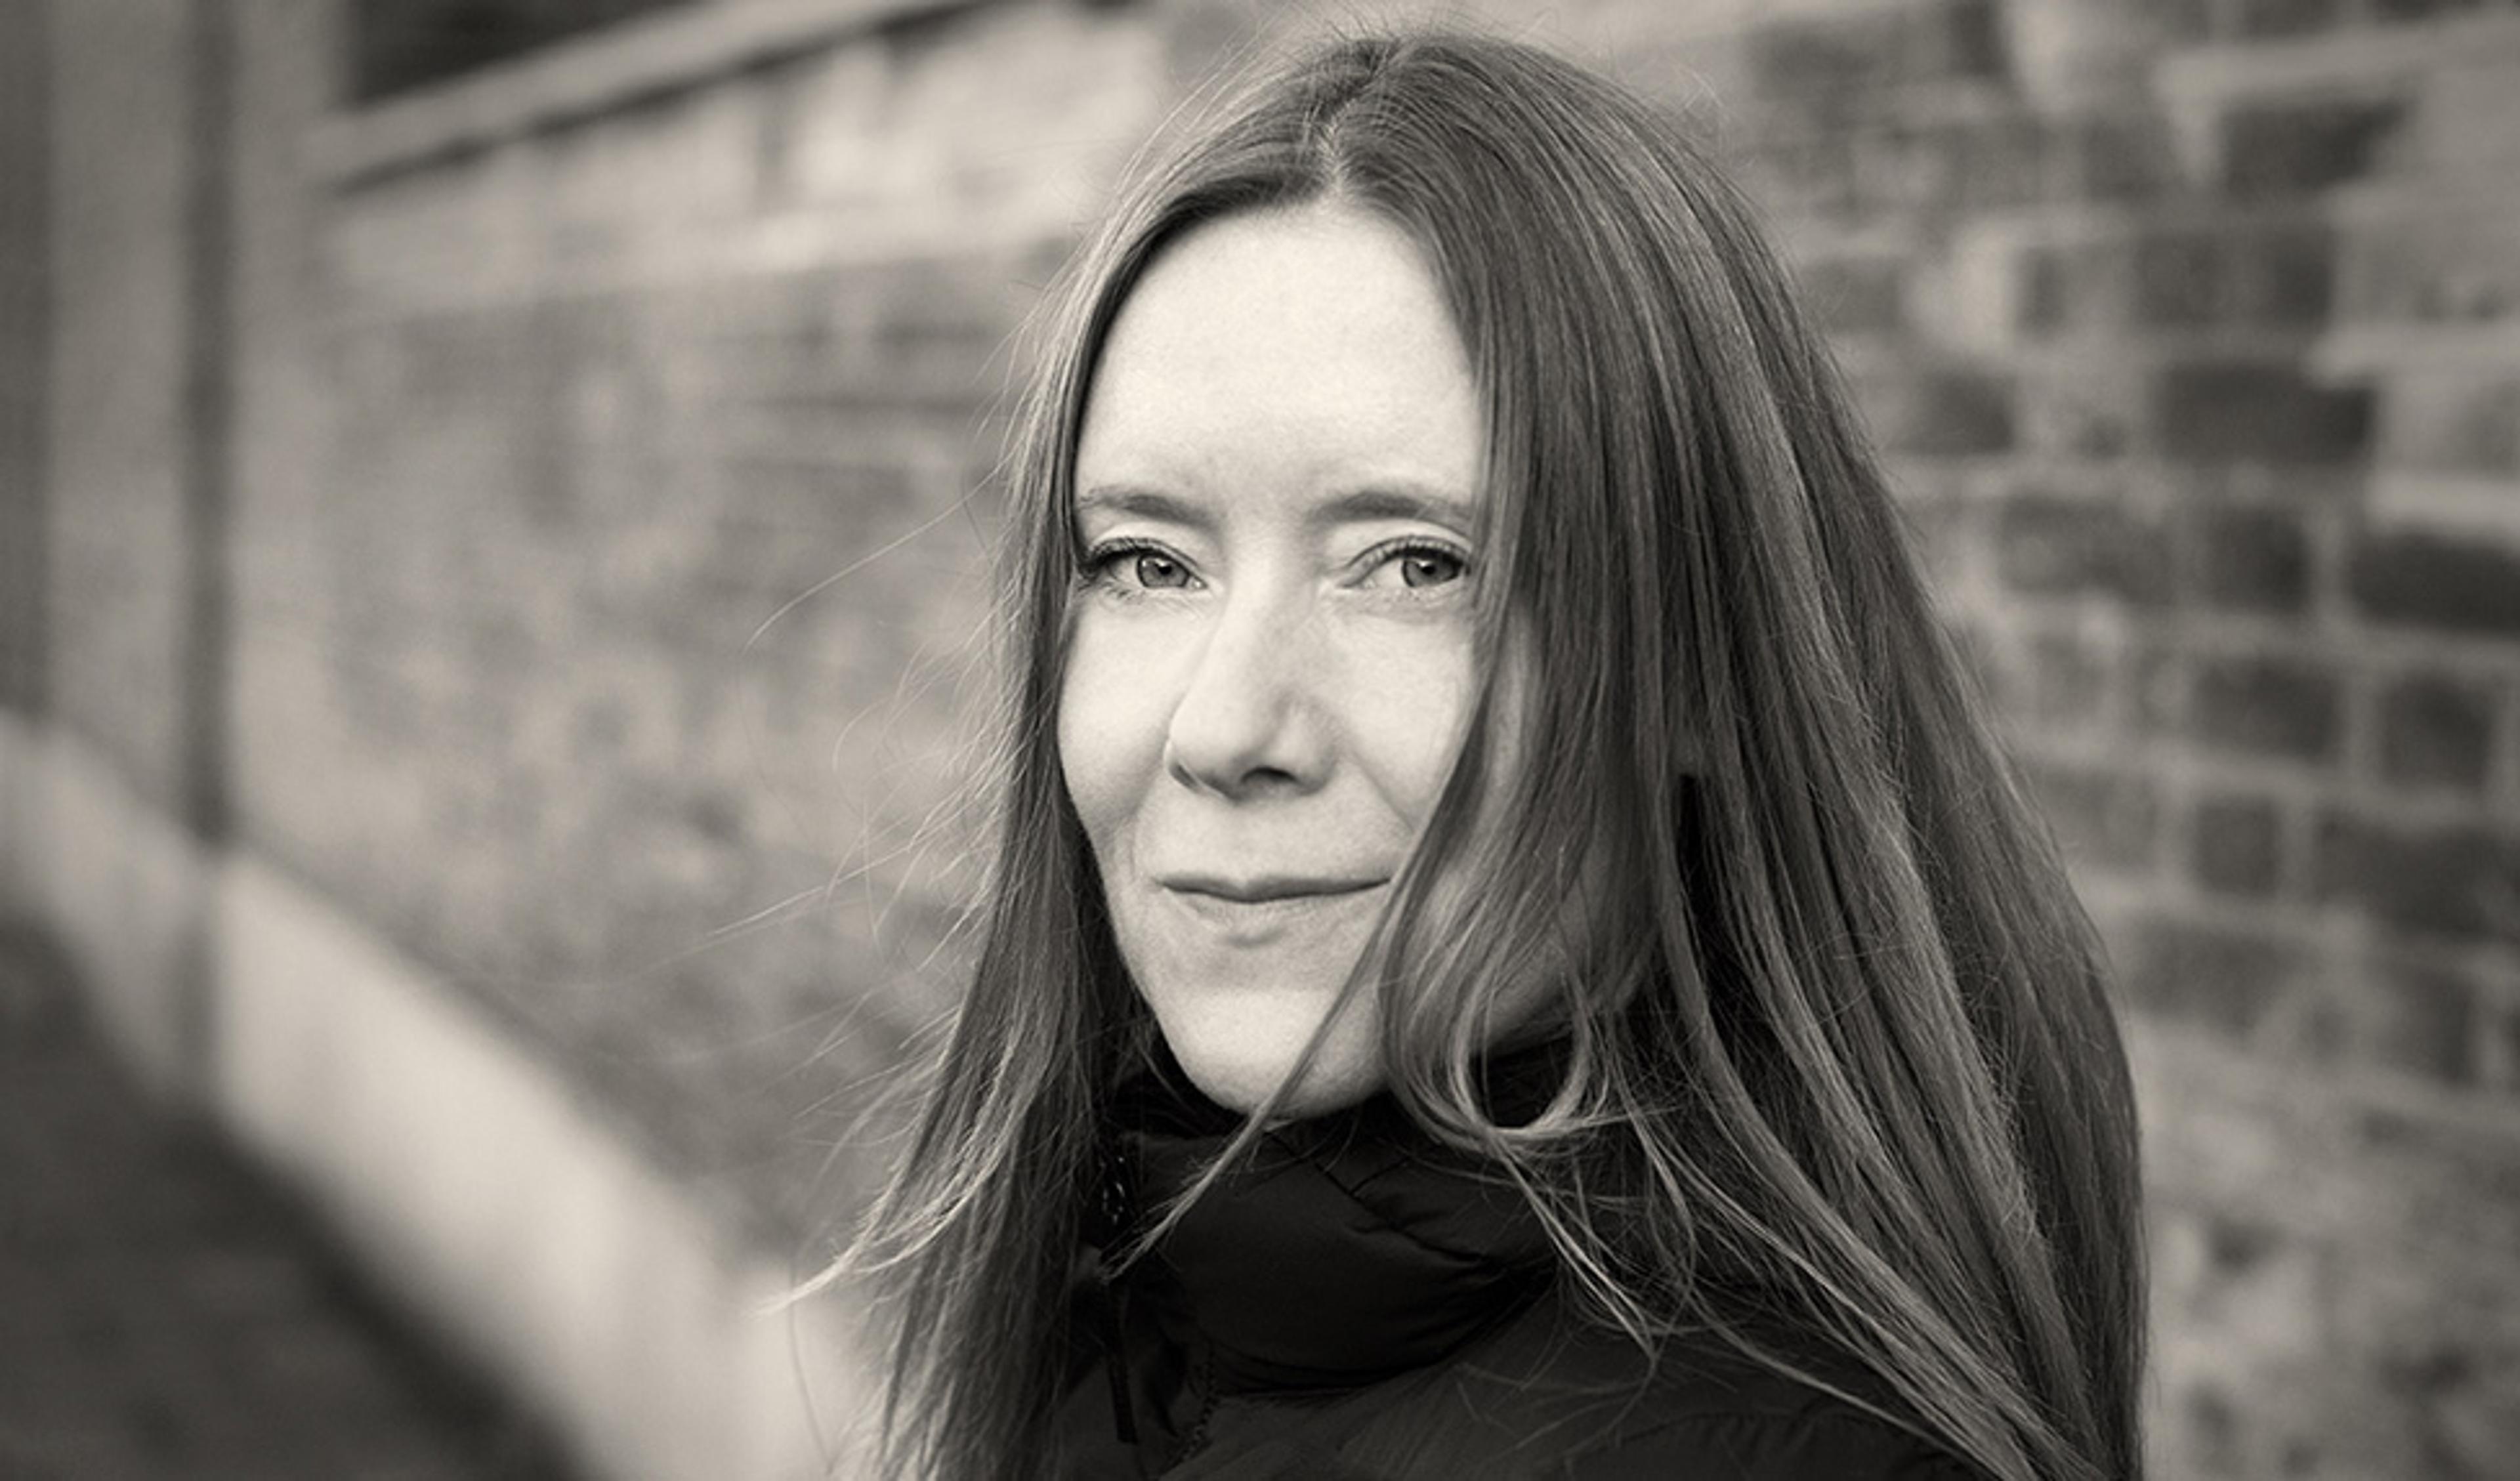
x: 1512, y: 953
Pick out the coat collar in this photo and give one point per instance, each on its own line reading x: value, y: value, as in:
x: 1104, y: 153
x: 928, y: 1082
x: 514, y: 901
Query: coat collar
x: 1343, y: 1250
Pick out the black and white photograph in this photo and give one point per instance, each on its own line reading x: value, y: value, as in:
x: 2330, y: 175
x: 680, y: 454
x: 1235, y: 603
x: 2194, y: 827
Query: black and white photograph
x: 1259, y: 741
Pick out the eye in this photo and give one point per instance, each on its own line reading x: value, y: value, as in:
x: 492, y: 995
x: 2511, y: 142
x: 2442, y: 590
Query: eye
x: 1158, y: 571
x: 1416, y: 563
x: 1430, y: 568
x: 1135, y: 566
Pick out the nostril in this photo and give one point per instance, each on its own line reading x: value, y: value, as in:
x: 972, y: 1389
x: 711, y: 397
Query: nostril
x: 1271, y: 762
x: 1244, y: 724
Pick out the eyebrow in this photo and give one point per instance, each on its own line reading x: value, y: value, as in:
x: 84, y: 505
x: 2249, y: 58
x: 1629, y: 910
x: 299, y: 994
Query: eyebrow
x: 1376, y: 501
x: 1142, y: 502
x: 1401, y: 501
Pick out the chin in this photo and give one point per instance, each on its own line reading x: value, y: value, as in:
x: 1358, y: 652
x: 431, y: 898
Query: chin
x: 1240, y: 1066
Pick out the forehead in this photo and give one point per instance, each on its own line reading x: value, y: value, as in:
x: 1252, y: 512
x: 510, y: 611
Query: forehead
x: 1293, y: 348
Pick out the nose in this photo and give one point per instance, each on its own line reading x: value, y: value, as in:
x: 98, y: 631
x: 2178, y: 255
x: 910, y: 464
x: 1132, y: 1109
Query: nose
x: 1248, y: 723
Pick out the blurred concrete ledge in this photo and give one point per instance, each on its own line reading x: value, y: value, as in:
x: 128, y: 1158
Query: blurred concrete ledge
x: 122, y: 883
x: 487, y: 1198
x: 635, y: 60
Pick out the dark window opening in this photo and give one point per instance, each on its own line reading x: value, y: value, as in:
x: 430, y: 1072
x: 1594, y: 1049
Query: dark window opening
x: 397, y: 45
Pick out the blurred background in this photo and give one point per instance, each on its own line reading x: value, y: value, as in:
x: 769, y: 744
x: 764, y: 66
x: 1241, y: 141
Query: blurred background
x: 494, y: 498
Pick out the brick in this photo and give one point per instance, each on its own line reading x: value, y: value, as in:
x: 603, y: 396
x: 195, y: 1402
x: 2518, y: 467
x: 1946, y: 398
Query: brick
x: 2176, y: 21
x: 2113, y: 157
x: 1856, y: 295
x: 2436, y: 730
x: 1823, y: 73
x: 2419, y: 10
x: 2267, y: 19
x: 1998, y: 163
x: 2402, y: 1015
x: 2297, y: 148
x: 2235, y: 845
x: 2284, y: 277
x: 2383, y: 276
x: 2157, y: 689
x: 2082, y: 285
x: 2178, y: 279
x: 1940, y: 412
x: 2210, y: 1416
x: 2416, y: 579
x: 2067, y: 680
x: 2084, y: 413
x: 2058, y: 546
x: 2243, y: 558
x: 2443, y: 880
x: 2451, y: 421
x: 1970, y: 165
x: 2236, y: 1247
x: 1902, y: 166
x: 2222, y: 978
x: 1814, y: 169
x: 2103, y: 818
x: 2244, y: 411
x: 2046, y: 299
x: 2266, y: 706
x: 1954, y: 38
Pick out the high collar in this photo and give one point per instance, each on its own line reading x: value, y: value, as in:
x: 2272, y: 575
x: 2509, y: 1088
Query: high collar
x: 1343, y: 1251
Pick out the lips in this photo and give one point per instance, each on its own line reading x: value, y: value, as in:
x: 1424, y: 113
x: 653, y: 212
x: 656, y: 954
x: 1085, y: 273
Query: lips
x: 1257, y: 911
x: 1265, y: 889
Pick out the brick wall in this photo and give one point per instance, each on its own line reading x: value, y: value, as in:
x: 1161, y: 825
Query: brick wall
x: 605, y: 604
x: 621, y: 657
x: 2189, y: 331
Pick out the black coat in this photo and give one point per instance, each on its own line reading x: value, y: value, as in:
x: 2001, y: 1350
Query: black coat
x: 1359, y: 1304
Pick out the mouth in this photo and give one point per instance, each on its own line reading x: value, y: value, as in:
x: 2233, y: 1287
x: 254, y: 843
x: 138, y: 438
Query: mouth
x: 1268, y: 889
x: 1252, y: 911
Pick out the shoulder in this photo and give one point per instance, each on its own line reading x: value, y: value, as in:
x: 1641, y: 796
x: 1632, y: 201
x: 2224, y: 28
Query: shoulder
x: 1605, y: 1410
x: 1821, y: 1444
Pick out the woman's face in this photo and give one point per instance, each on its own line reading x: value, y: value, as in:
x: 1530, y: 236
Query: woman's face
x: 1269, y: 669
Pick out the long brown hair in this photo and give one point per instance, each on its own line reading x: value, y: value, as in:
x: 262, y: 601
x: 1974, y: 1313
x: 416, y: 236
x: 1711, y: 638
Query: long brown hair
x: 1843, y: 1049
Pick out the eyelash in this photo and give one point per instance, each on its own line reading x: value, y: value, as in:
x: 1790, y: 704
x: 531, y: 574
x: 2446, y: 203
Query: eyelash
x: 1099, y: 564
x: 1096, y: 567
x: 1417, y: 545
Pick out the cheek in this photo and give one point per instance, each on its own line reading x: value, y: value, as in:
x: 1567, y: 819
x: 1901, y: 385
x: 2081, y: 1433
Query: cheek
x: 1409, y: 751
x: 1110, y: 733
x: 1405, y: 709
